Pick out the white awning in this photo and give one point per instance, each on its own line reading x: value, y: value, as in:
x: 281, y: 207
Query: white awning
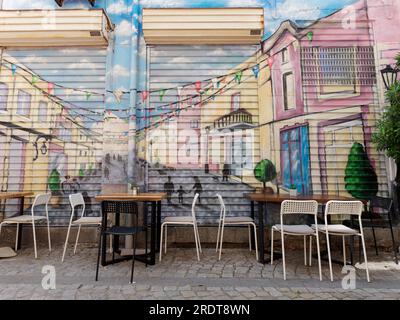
x: 41, y: 28
x: 203, y: 26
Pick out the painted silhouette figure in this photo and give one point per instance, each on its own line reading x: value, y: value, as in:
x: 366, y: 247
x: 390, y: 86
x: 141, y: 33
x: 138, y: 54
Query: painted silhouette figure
x: 181, y: 192
x: 106, y: 173
x: 197, y: 187
x: 225, y: 173
x: 169, y: 189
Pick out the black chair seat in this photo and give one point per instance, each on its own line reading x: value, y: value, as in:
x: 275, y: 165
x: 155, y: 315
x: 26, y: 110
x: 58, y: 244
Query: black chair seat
x: 122, y: 230
x: 375, y: 223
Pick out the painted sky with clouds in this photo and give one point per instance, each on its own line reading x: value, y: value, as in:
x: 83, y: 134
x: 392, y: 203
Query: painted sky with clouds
x: 125, y: 15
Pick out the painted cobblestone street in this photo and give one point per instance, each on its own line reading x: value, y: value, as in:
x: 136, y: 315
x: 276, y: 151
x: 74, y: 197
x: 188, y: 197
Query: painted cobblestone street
x: 181, y: 276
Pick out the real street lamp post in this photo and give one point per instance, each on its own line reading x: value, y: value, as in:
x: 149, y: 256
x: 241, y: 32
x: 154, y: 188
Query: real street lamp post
x: 389, y: 77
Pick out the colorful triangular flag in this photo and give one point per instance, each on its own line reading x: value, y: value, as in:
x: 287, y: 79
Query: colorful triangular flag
x: 88, y: 95
x: 310, y: 36
x: 50, y: 87
x: 144, y: 94
x: 238, y: 76
x: 198, y: 86
x: 13, y: 69
x: 256, y: 70
x: 34, y: 79
x: 162, y: 94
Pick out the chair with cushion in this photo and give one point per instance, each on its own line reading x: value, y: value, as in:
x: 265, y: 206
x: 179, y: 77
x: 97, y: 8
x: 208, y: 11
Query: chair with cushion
x: 293, y: 207
x: 341, y: 208
x: 33, y: 218
x: 233, y: 221
x: 182, y: 221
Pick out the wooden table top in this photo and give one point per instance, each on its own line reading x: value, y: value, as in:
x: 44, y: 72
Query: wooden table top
x: 14, y: 195
x: 150, y: 197
x: 278, y: 198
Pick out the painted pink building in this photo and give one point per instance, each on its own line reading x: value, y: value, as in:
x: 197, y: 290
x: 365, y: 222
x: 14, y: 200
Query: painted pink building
x: 325, y: 92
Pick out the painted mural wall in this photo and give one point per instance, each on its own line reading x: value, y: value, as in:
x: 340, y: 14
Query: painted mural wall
x: 199, y: 118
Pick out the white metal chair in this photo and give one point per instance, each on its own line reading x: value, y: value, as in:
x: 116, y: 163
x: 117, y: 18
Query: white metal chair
x: 40, y: 200
x: 185, y: 220
x: 343, y: 208
x: 291, y: 207
x: 76, y: 200
x: 233, y: 221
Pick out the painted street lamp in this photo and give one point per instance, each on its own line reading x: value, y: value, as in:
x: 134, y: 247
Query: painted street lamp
x: 389, y: 76
x: 43, y: 149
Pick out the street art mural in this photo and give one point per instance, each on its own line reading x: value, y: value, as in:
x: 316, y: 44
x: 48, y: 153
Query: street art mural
x: 186, y: 119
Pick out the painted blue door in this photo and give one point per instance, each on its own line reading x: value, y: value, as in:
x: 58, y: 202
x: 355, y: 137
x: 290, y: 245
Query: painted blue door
x: 295, y: 159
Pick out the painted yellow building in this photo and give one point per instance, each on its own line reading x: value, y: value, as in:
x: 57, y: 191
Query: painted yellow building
x: 37, y: 134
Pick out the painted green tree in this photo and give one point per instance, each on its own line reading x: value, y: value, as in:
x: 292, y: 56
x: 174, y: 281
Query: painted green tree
x: 81, y: 173
x: 265, y: 171
x: 54, y: 181
x: 360, y: 177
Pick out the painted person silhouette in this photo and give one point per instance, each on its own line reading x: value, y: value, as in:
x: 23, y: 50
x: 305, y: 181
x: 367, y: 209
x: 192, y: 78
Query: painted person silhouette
x: 197, y: 187
x: 181, y: 192
x: 169, y: 189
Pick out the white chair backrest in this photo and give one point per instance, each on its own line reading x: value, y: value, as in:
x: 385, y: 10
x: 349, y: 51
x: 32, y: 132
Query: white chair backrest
x: 299, y: 207
x: 306, y: 207
x: 344, y: 208
x: 76, y: 199
x: 41, y: 199
x: 196, y: 196
x: 223, y: 209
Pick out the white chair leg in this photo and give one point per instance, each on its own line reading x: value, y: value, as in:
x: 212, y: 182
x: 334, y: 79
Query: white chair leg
x: 166, y: 239
x: 344, y: 250
x: 272, y: 245
x: 255, y: 242
x: 305, y: 250
x: 221, y: 241
x: 196, y: 241
x: 161, y: 239
x: 283, y: 255
x: 66, y: 243
x: 198, y: 238
x: 34, y: 239
x: 365, y: 255
x: 319, y: 257
x: 48, y: 234
x: 329, y: 256
x: 218, y: 235
x: 249, y: 229
x: 77, y: 238
x: 16, y: 237
x: 310, y: 253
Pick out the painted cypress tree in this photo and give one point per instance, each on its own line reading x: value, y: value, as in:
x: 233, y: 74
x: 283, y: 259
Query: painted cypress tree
x: 360, y: 178
x: 54, y: 181
x: 265, y: 171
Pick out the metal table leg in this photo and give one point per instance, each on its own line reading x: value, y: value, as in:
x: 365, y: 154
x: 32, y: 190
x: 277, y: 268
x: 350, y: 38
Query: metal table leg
x: 21, y: 212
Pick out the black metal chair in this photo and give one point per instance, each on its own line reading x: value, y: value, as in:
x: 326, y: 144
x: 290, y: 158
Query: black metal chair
x: 119, y: 207
x: 379, y: 214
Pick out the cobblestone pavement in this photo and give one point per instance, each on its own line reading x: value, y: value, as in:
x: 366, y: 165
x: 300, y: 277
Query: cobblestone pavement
x: 181, y: 276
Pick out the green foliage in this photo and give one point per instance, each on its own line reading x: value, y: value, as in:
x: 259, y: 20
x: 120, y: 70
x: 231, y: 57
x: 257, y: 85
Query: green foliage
x: 265, y: 171
x: 387, y: 136
x: 54, y: 181
x: 81, y: 173
x: 360, y: 178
